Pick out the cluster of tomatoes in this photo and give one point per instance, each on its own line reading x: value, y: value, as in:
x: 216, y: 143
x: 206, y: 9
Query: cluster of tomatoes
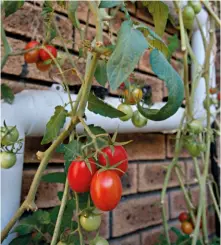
x: 40, y: 56
x: 187, y: 225
x: 189, y: 12
x: 9, y: 136
x: 104, y: 184
x: 132, y: 96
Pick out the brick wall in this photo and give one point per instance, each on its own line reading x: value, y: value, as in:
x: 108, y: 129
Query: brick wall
x: 137, y: 219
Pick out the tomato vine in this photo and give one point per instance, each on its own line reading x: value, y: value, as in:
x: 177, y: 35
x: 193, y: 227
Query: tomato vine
x: 94, y: 161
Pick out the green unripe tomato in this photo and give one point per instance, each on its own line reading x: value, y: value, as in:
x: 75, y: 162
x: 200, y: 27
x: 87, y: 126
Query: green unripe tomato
x: 188, y: 13
x: 126, y: 109
x: 100, y: 241
x: 90, y: 222
x: 195, y: 127
x: 9, y: 136
x: 196, y: 5
x: 7, y: 159
x: 138, y: 120
x: 193, y: 148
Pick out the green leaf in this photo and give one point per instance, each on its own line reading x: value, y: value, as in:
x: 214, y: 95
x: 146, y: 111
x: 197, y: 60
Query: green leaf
x: 162, y: 68
x: 101, y: 72
x: 109, y: 4
x: 173, y: 44
x: 60, y: 195
x: 130, y: 46
x: 12, y: 6
x: 71, y: 151
x: 98, y: 106
x: 7, y: 94
x: 26, y: 225
x: 24, y: 229
x: 98, y: 130
x: 54, y: 125
x: 43, y: 217
x: 21, y: 240
x: 72, y: 13
x: 159, y: 11
x: 153, y: 39
x: 58, y: 177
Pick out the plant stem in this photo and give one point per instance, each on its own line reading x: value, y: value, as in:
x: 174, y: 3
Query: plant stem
x: 182, y: 29
x: 212, y: 13
x: 88, y: 83
x: 7, y: 47
x: 202, y: 181
x: 78, y: 220
x: 60, y: 214
x: 167, y: 178
x: 214, y: 201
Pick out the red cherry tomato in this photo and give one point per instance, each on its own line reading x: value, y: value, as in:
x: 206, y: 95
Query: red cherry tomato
x: 79, y: 176
x: 184, y: 216
x: 32, y: 56
x: 122, y: 86
x: 213, y: 90
x: 42, y: 67
x: 106, y: 190
x: 44, y: 55
x: 118, y: 155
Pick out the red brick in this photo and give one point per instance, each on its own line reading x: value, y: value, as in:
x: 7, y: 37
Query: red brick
x: 171, y: 146
x: 19, y: 86
x: 32, y: 145
x: 137, y: 213
x: 211, y: 222
x: 46, y: 196
x: 128, y: 240
x: 152, y: 236
x: 28, y: 22
x: 151, y: 176
x: 144, y: 146
x: 177, y: 201
x: 190, y: 171
x: 129, y: 180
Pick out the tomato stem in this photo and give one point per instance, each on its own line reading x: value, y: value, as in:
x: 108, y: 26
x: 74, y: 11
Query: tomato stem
x: 60, y: 214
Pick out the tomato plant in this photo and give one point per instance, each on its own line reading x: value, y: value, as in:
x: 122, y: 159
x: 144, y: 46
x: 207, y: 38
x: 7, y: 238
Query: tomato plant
x: 127, y: 110
x: 93, y: 160
x: 133, y: 95
x: 187, y: 227
x: 184, y: 216
x: 44, y: 55
x: 106, y: 190
x: 196, y: 5
x: 42, y: 66
x: 7, y: 159
x: 196, y: 127
x: 138, y: 119
x: 33, y: 55
x: 9, y: 135
x: 99, y: 241
x: 90, y: 221
x: 112, y: 156
x: 80, y: 176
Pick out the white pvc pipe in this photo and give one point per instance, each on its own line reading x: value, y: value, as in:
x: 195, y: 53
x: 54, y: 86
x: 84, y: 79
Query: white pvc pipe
x: 32, y: 109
